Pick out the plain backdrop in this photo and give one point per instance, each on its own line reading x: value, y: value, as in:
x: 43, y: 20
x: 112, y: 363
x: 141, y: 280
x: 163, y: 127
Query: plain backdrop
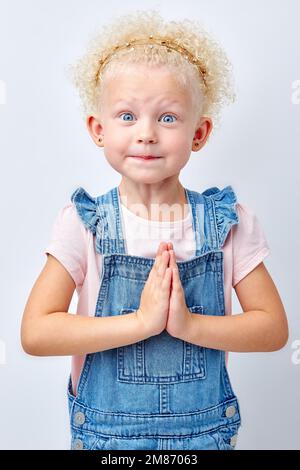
x: 46, y: 153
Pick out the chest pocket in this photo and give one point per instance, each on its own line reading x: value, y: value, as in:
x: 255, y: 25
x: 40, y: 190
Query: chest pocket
x: 161, y: 358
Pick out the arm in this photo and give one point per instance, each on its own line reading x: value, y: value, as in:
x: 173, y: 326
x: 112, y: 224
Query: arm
x: 262, y: 327
x: 49, y: 330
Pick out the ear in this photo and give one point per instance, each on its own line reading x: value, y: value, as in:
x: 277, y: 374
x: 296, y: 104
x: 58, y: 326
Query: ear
x: 95, y: 129
x: 203, y: 129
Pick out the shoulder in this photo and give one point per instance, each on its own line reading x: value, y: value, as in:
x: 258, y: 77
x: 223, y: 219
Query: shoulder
x: 69, y: 242
x: 68, y: 221
x: 249, y: 242
x: 69, y: 232
x: 249, y: 222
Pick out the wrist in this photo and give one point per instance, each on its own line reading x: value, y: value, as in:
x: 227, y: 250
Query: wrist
x: 188, y: 330
x: 141, y: 326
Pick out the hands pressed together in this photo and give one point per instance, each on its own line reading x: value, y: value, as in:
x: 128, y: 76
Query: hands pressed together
x: 162, y: 304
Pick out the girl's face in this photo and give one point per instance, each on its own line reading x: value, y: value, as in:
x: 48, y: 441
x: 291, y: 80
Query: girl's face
x: 145, y: 112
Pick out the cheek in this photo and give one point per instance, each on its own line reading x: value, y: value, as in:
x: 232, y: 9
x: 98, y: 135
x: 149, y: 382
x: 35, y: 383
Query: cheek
x: 182, y: 149
x: 112, y: 158
x: 180, y: 144
x: 115, y: 143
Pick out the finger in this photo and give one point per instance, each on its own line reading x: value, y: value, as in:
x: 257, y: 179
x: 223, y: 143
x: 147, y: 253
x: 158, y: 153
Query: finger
x: 167, y: 278
x: 172, y: 259
x: 157, y: 261
x: 160, y: 257
x: 170, y: 246
x: 165, y: 257
x: 162, y: 246
x: 158, y: 251
x: 163, y: 264
x: 176, y: 278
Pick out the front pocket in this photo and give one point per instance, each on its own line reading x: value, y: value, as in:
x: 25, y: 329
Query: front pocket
x: 161, y: 358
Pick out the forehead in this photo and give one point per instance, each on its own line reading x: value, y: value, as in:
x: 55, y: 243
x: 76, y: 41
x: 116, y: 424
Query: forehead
x: 144, y: 84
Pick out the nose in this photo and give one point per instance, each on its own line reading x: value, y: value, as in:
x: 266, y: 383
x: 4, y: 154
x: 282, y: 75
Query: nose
x: 147, y: 139
x: 146, y: 131
x: 146, y: 134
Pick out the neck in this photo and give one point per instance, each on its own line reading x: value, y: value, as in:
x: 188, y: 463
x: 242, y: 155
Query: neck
x: 164, y: 201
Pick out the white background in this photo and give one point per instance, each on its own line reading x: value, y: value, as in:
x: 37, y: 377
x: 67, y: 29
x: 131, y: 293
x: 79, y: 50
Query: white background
x: 46, y: 153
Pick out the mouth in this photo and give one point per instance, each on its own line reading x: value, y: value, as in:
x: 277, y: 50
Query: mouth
x: 145, y: 157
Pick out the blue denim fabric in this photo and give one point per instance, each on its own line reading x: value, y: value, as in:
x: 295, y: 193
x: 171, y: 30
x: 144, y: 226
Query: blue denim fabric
x: 162, y: 392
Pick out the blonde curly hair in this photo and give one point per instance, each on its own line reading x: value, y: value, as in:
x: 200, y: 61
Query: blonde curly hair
x: 208, y: 97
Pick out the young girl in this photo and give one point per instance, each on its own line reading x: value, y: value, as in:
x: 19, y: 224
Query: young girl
x: 153, y: 262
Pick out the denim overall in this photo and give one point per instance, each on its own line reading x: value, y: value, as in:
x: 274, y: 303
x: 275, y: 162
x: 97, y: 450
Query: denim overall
x: 161, y: 392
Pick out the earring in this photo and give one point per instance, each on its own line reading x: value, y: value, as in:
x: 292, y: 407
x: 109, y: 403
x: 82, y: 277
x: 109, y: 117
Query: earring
x: 100, y: 139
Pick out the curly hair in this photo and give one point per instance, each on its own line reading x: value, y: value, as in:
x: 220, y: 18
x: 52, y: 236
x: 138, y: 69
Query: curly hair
x: 208, y: 97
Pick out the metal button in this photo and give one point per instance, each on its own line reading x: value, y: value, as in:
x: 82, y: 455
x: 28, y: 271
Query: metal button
x: 77, y: 444
x: 79, y: 418
x: 233, y: 440
x: 230, y: 411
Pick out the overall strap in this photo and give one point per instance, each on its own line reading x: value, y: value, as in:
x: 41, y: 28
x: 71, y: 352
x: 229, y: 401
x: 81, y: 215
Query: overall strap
x: 101, y: 215
x: 214, y: 212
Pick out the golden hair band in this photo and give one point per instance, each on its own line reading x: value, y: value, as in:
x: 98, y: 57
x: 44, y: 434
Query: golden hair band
x: 161, y: 41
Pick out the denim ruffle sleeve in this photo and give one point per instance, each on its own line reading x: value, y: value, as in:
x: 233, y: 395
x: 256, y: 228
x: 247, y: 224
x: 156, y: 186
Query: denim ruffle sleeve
x: 226, y: 214
x: 87, y: 208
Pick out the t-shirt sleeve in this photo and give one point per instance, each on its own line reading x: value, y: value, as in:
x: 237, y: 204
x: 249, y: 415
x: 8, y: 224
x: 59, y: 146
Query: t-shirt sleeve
x: 249, y: 243
x: 68, y: 243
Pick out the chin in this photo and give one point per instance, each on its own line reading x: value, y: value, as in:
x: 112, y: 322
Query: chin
x: 147, y: 179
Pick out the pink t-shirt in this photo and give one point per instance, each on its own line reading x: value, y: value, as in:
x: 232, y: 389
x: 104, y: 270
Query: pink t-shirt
x: 74, y: 246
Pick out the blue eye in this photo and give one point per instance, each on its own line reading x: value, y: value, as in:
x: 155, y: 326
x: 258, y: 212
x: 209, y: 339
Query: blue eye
x: 125, y: 115
x: 169, y: 115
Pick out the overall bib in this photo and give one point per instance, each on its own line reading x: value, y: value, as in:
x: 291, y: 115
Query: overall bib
x: 161, y: 392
